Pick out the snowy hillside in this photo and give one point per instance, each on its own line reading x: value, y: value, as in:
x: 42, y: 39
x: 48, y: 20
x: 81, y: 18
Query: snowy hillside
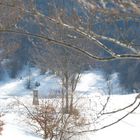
x: 16, y: 129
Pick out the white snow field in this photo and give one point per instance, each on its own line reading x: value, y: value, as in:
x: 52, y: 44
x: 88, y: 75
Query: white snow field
x: 90, y: 85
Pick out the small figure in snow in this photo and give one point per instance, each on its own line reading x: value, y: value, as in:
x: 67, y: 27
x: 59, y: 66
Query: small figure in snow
x: 37, y: 84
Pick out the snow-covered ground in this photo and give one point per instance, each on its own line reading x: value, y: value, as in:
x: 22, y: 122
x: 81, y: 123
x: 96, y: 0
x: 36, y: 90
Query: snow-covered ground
x: 91, y: 85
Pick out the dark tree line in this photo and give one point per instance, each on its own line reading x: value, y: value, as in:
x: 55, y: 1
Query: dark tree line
x: 102, y: 30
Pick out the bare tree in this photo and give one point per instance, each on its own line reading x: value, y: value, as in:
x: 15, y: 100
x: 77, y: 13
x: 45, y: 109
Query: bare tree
x: 49, y: 121
x: 67, y: 65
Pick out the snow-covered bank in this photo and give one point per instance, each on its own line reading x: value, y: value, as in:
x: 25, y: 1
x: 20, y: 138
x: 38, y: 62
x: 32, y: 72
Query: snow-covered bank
x: 90, y: 85
x: 126, y: 129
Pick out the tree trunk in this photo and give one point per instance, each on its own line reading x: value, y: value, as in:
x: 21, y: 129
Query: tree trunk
x: 71, y: 102
x: 67, y: 93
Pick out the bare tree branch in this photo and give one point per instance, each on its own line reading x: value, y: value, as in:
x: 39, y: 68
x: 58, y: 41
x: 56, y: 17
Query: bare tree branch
x: 123, y: 56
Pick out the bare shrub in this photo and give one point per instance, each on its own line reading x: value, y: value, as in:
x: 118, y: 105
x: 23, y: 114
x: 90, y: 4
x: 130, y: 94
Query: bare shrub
x: 48, y: 120
x: 1, y: 124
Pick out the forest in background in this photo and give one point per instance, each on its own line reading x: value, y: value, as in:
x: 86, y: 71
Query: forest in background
x: 33, y: 51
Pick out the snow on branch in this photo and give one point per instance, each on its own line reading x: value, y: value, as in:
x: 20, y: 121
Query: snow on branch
x: 91, y: 35
x: 67, y: 45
